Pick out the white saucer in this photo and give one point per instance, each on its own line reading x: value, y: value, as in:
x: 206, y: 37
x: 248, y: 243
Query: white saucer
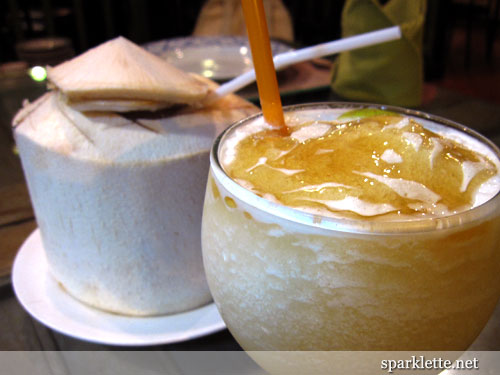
x: 216, y: 57
x: 41, y: 295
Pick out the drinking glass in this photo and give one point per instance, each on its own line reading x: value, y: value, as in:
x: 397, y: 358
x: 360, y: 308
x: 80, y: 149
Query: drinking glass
x: 284, y: 279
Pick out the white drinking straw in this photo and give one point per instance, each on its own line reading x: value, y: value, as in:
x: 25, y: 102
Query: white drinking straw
x: 314, y: 52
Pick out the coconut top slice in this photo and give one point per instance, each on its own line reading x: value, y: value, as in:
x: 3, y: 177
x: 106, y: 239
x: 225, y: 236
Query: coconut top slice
x: 119, y: 71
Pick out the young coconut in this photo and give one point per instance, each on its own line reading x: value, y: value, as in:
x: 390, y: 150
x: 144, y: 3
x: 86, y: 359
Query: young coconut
x: 118, y: 196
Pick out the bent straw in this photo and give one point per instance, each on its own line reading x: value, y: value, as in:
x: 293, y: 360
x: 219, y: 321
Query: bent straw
x: 314, y: 52
x: 267, y: 83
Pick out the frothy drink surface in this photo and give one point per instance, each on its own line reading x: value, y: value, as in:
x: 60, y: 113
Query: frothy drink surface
x: 379, y: 165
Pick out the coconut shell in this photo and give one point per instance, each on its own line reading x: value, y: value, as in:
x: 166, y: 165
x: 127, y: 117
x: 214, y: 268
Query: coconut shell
x: 118, y: 199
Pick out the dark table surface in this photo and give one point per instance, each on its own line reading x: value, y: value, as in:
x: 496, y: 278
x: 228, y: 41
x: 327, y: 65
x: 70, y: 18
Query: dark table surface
x: 19, y: 331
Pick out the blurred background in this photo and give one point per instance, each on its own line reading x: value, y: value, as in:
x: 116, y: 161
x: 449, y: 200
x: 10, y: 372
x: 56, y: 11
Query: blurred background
x: 460, y: 35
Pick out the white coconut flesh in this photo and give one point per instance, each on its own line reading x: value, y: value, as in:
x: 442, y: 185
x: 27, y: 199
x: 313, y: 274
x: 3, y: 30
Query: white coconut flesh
x: 118, y: 196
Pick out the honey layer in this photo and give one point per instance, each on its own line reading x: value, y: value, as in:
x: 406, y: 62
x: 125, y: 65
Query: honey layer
x: 383, y: 165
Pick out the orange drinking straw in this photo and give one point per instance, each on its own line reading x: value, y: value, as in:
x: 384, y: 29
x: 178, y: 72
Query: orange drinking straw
x: 267, y: 84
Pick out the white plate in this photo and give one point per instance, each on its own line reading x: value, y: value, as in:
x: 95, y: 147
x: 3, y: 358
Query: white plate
x: 219, y: 58
x: 41, y: 295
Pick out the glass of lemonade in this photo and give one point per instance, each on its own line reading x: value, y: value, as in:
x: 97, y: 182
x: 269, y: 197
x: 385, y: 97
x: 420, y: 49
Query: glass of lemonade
x: 365, y: 228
